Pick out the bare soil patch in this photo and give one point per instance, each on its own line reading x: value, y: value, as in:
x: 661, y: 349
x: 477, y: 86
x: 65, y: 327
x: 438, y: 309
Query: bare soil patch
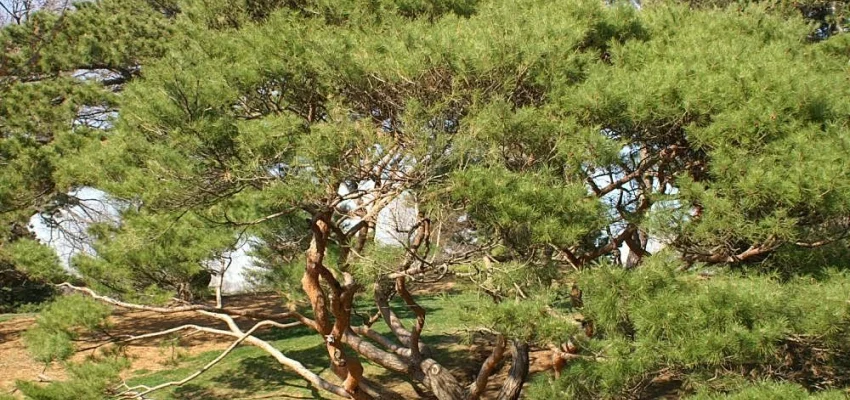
x: 15, y: 362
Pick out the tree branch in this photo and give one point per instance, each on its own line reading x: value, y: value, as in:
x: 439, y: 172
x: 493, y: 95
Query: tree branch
x: 185, y: 308
x: 751, y: 252
x: 133, y: 393
x: 487, y: 369
x: 296, y: 366
x: 518, y: 373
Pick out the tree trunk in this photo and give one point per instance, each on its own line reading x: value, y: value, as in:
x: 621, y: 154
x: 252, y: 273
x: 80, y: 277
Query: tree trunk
x: 487, y: 368
x: 440, y: 381
x: 337, y: 302
x: 518, y: 373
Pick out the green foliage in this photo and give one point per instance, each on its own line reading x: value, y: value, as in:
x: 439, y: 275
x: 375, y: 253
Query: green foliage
x: 518, y: 105
x: 147, y: 254
x: 381, y: 261
x: 551, y: 126
x: 59, y: 75
x: 18, y: 292
x: 530, y: 320
x: 528, y: 208
x: 435, y: 8
x: 697, y: 325
x: 105, y: 34
x: 752, y: 188
x: 87, y: 380
x: 60, y: 323
x: 794, y: 261
x: 34, y: 259
x: 772, y: 390
x: 43, y: 100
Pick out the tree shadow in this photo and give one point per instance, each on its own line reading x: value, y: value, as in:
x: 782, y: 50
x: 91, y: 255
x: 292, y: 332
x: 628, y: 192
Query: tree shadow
x: 264, y: 373
x: 462, y: 358
x: 196, y: 392
x: 275, y: 334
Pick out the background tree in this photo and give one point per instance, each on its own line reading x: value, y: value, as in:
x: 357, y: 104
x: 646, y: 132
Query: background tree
x: 19, y: 11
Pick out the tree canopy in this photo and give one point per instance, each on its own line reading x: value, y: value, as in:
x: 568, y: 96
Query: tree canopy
x: 550, y: 149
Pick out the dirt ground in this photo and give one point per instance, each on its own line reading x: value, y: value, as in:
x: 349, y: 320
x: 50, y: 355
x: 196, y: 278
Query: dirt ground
x: 17, y: 364
x: 15, y: 361
x: 152, y: 355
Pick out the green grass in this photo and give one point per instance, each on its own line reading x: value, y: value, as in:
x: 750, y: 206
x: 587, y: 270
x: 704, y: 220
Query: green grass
x: 250, y: 372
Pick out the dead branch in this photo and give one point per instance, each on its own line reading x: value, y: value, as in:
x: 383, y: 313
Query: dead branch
x: 296, y: 366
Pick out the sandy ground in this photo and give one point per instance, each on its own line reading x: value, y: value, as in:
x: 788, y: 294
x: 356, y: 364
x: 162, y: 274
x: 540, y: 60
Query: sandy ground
x: 152, y: 355
x: 15, y: 361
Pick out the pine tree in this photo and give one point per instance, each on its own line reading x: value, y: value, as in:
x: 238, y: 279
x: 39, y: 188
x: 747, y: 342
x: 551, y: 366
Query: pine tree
x: 538, y: 138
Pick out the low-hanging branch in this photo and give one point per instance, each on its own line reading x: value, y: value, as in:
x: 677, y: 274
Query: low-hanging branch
x: 476, y: 389
x: 133, y: 391
x: 185, y: 308
x: 234, y: 331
